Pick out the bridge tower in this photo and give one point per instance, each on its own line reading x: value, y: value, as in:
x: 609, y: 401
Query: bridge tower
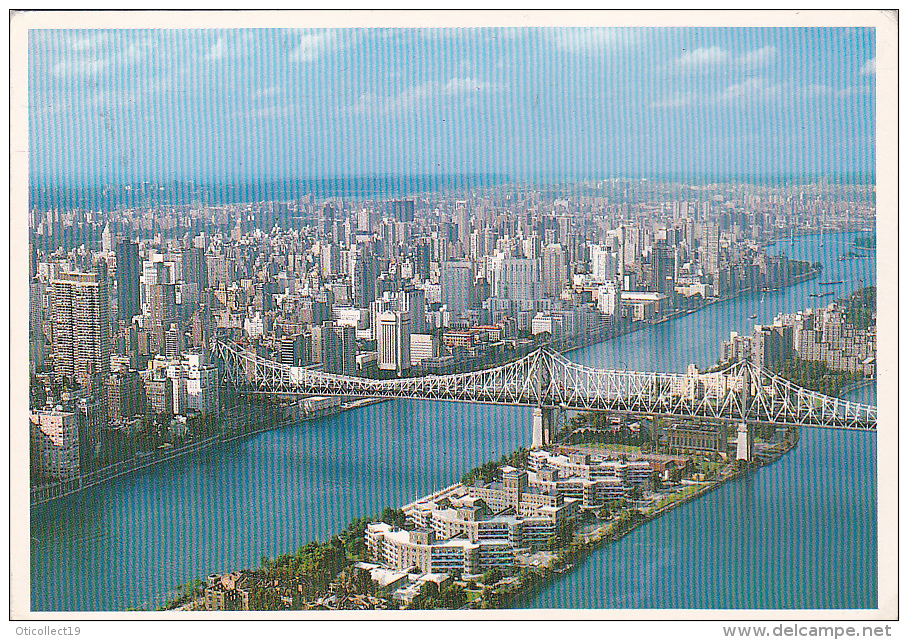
x: 745, y: 449
x: 543, y: 426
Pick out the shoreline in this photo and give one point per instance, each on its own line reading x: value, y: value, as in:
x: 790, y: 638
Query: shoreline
x: 125, y: 468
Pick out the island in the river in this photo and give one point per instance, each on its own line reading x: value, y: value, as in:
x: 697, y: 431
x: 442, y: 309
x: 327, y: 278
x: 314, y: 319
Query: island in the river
x: 506, y: 527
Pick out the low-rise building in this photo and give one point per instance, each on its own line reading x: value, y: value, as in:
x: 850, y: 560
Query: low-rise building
x: 401, y: 549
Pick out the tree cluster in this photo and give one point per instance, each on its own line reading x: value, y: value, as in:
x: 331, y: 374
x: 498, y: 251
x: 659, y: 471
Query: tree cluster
x: 491, y: 471
x: 816, y: 375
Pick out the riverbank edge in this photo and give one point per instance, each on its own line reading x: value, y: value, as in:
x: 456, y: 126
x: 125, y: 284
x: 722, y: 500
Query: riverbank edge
x: 128, y: 468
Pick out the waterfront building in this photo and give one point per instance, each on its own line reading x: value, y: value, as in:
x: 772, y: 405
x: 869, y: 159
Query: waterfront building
x: 202, y: 384
x: 159, y: 392
x: 582, y: 465
x: 736, y: 348
x: 124, y: 396
x: 421, y: 549
x: 609, y: 298
x: 81, y: 341
x: 471, y: 518
x: 229, y: 592
x: 691, y: 437
x: 55, y: 439
x: 644, y: 305
x: 771, y: 345
x: 513, y: 491
x: 334, y: 346
x: 816, y: 335
x: 422, y: 346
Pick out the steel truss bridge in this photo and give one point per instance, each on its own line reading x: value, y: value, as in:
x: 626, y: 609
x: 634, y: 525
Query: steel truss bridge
x: 741, y: 393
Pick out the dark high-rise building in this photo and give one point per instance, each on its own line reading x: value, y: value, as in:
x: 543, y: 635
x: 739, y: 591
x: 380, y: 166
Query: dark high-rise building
x: 403, y: 210
x: 457, y: 285
x: 124, y: 396
x: 423, y: 259
x: 163, y: 310
x: 329, y: 213
x: 194, y: 267
x: 365, y: 276
x: 129, y: 268
x: 81, y: 343
x: 663, y: 258
x: 334, y: 346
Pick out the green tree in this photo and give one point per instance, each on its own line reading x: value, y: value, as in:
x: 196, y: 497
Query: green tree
x: 265, y: 599
x: 394, y: 517
x: 492, y: 576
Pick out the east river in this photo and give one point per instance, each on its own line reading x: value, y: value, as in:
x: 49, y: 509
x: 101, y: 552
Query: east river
x: 800, y: 533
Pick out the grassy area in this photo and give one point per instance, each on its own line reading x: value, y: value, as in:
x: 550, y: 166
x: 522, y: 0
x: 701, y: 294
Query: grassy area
x: 614, y: 448
x: 686, y: 492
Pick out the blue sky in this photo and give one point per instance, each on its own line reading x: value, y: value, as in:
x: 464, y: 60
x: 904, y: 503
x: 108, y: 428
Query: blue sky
x: 108, y: 106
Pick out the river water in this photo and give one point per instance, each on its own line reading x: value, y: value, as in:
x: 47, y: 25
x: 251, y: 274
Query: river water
x: 798, y: 534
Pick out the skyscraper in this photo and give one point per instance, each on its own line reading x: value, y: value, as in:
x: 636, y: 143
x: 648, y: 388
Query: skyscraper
x: 128, y: 272
x: 81, y: 344
x: 554, y: 270
x: 456, y: 285
x: 163, y: 313
x: 403, y: 210
x: 394, y: 341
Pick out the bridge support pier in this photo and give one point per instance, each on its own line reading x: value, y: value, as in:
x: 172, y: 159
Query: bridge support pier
x: 545, y: 423
x: 745, y: 449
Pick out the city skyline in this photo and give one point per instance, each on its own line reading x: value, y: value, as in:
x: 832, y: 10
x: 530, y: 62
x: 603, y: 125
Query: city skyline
x: 220, y: 104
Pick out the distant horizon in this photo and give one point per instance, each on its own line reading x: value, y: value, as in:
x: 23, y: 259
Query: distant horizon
x: 848, y: 177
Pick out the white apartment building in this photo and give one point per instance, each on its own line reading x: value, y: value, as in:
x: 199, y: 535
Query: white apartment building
x: 55, y: 435
x: 422, y: 346
x: 401, y: 550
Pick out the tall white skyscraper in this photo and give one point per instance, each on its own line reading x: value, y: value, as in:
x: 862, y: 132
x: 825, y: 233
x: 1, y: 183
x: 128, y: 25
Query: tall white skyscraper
x: 394, y: 341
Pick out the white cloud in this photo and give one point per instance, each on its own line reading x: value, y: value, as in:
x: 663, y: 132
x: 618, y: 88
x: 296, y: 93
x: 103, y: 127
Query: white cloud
x: 311, y: 45
x: 410, y: 98
x: 80, y: 67
x: 268, y: 92
x: 673, y: 102
x: 759, y: 58
x: 869, y: 68
x: 701, y: 58
x: 825, y: 91
x: 217, y: 51
x: 752, y: 89
x: 85, y: 42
